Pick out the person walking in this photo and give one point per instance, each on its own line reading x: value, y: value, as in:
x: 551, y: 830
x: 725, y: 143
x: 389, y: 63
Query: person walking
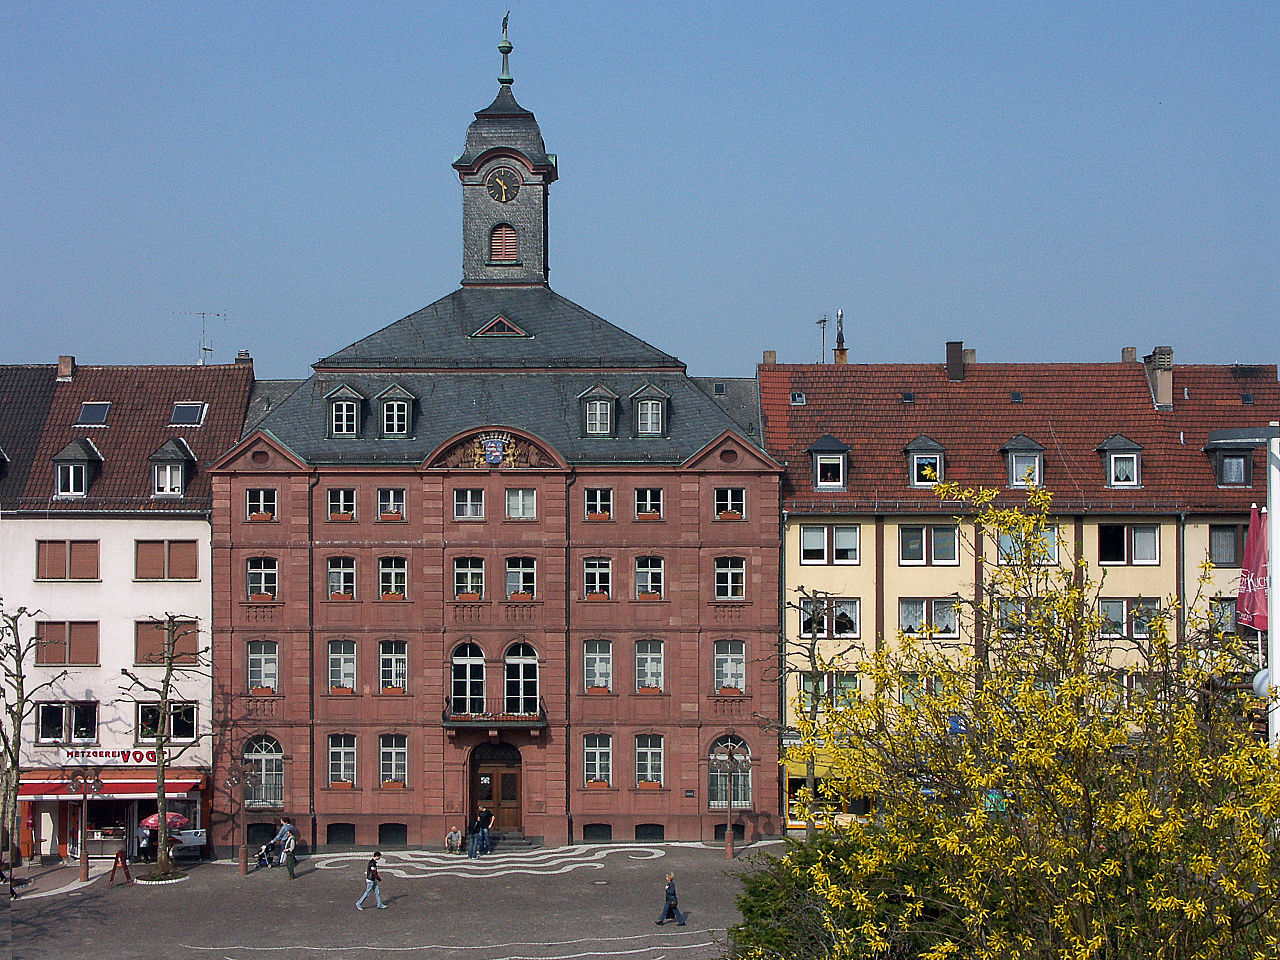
x: 290, y: 859
x: 671, y: 904
x: 371, y: 880
x: 286, y: 828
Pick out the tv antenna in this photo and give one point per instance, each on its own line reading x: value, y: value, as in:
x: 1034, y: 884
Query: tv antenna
x: 206, y: 348
x: 823, y: 325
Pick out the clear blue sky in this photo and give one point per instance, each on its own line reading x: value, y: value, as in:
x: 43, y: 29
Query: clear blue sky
x: 1045, y: 181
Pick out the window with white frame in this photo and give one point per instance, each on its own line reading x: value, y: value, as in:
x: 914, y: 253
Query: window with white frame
x: 926, y: 469
x: 649, y: 417
x: 73, y: 722
x: 1038, y: 547
x: 724, y: 785
x: 935, y: 616
x: 648, y: 758
x: 829, y: 544
x: 597, y: 663
x: 520, y: 576
x: 1123, y: 470
x: 649, y: 577
x: 597, y: 576
x: 187, y: 414
x: 342, y: 503
x: 393, y: 664
x: 468, y: 504
x: 730, y: 665
x: 928, y: 545
x: 93, y: 413
x: 1223, y: 616
x: 468, y: 577
x: 1136, y: 544
x: 520, y: 692
x: 71, y: 479
x: 1025, y: 469
x: 264, y: 757
x: 599, y: 418
x: 1127, y: 617
x: 813, y: 544
x: 597, y: 758
x: 180, y: 727
x: 830, y: 618
x: 260, y: 503
x: 395, y: 418
x: 391, y: 502
x: 342, y: 664
x: 828, y: 469
x: 264, y: 664
x: 342, y: 758
x: 393, y: 577
x: 730, y: 578
x: 393, y: 757
x: 342, y: 576
x: 599, y: 503
x: 467, y: 695
x: 521, y: 503
x: 261, y: 577
x: 649, y: 666
x: 649, y: 502
x: 730, y: 502
x: 345, y: 418
x: 166, y: 479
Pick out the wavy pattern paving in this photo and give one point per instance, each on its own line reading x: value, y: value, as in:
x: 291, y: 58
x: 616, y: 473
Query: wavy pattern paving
x: 416, y: 864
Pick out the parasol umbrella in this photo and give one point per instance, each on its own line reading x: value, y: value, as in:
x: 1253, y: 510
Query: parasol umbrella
x: 176, y: 821
x: 1251, y: 603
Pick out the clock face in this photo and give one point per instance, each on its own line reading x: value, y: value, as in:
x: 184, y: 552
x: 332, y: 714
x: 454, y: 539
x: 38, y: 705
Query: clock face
x: 503, y: 184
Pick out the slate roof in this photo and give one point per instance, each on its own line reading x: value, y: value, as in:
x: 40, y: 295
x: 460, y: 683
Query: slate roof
x: 1069, y: 408
x: 142, y: 399
x: 26, y: 390
x: 264, y: 397
x: 542, y: 403
x: 562, y: 334
x: 740, y: 400
x: 506, y: 124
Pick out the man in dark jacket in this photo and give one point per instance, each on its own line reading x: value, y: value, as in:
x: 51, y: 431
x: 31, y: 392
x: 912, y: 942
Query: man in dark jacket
x: 371, y: 880
x: 671, y: 904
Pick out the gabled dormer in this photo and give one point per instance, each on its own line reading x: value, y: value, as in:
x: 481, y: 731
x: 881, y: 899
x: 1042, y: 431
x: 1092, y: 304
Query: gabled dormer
x: 500, y: 326
x: 76, y: 466
x: 650, y: 409
x: 345, y: 407
x: 598, y: 409
x: 1121, y: 461
x: 1024, y: 459
x: 830, y: 463
x: 395, y: 407
x: 926, y: 461
x: 171, y: 468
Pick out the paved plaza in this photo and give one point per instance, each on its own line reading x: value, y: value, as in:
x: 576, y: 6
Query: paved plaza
x: 568, y: 903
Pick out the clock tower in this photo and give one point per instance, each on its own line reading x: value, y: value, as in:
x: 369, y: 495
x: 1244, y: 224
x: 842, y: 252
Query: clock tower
x: 505, y: 172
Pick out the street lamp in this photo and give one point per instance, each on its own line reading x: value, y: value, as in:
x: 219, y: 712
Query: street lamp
x: 84, y: 784
x: 727, y: 760
x: 246, y: 779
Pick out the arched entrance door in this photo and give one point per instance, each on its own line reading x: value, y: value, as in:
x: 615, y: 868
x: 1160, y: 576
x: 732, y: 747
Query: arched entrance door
x: 495, y: 782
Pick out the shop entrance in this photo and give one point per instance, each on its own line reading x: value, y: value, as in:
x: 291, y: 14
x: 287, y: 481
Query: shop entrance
x: 495, y: 782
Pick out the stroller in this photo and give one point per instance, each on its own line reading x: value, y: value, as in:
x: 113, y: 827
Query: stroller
x: 264, y: 855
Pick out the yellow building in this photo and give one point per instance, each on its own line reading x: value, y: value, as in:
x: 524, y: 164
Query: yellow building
x: 1153, y: 468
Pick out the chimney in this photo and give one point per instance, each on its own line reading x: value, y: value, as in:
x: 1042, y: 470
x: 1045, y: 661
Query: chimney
x: 66, y: 368
x: 1128, y: 354
x: 770, y: 358
x: 955, y: 360
x: 970, y: 356
x: 1159, y: 367
x: 841, y: 353
x: 243, y: 357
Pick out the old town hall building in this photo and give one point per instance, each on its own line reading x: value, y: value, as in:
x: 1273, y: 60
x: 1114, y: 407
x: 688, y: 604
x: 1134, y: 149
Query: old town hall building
x: 501, y: 552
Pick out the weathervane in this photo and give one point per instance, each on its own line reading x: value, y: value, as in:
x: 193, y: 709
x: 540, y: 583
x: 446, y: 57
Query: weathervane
x: 505, y: 48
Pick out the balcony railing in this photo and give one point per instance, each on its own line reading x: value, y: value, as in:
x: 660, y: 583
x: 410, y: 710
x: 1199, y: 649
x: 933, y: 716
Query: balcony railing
x: 508, y: 721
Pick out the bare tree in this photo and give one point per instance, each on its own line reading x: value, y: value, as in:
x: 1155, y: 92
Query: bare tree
x: 180, y: 659
x: 18, y: 701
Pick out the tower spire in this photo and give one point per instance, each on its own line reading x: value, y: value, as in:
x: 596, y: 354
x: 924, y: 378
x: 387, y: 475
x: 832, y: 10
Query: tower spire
x: 505, y: 48
x: 841, y: 352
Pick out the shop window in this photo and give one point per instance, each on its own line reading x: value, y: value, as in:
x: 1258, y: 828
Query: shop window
x: 74, y: 722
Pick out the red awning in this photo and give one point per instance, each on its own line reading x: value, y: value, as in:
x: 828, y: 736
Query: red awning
x: 115, y: 789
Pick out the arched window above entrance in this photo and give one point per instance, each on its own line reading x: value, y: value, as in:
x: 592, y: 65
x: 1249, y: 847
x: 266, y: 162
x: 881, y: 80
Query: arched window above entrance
x: 723, y: 775
x: 521, y: 688
x: 264, y: 760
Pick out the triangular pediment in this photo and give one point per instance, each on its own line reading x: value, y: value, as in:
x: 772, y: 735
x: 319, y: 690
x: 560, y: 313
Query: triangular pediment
x: 260, y: 450
x: 650, y: 392
x: 344, y: 392
x: 729, y: 452
x: 395, y: 392
x: 597, y: 392
x: 495, y: 448
x: 500, y: 326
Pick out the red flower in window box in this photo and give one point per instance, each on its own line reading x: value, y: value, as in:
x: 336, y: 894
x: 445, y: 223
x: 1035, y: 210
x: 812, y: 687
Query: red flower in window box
x: 341, y: 596
x: 597, y: 784
x: 649, y: 785
x: 391, y: 515
x: 393, y: 596
x: 341, y: 691
x: 520, y: 595
x: 392, y: 784
x: 262, y: 691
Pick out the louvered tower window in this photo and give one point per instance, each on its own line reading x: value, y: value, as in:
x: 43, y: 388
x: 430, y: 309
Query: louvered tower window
x: 503, y: 247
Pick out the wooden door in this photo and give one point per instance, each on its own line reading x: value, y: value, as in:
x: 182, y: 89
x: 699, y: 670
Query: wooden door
x: 497, y: 786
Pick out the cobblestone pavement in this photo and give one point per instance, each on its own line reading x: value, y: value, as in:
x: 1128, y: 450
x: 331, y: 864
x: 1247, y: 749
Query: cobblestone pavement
x: 568, y: 903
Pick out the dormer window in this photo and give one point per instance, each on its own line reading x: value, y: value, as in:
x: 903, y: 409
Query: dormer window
x: 1025, y: 458
x: 650, y: 405
x: 75, y: 467
x: 1123, y: 461
x: 599, y: 412
x: 1231, y: 452
x: 925, y: 460
x: 169, y: 468
x: 1233, y: 469
x: 188, y: 414
x: 344, y: 412
x: 830, y: 463
x: 93, y: 414
x: 396, y: 411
